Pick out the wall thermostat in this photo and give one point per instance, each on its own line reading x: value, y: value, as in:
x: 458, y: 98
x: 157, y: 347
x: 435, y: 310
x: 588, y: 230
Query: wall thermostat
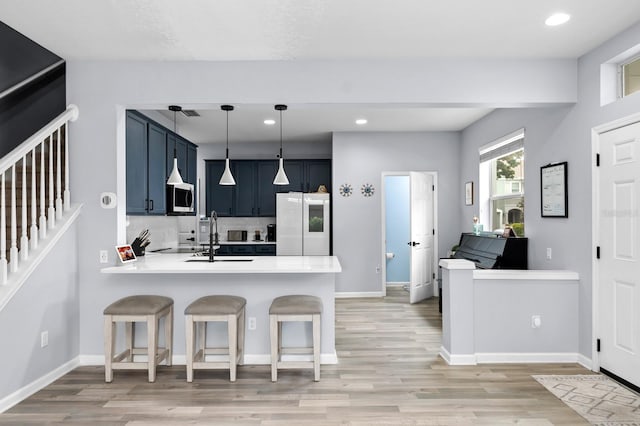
x: 107, y: 200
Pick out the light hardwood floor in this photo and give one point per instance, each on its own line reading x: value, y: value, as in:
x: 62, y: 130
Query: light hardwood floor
x: 389, y: 373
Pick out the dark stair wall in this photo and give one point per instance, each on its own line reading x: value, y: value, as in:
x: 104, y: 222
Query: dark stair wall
x: 27, y: 110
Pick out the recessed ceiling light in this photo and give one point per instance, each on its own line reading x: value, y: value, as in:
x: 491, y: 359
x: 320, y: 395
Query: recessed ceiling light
x: 269, y: 122
x: 361, y: 121
x: 557, y: 19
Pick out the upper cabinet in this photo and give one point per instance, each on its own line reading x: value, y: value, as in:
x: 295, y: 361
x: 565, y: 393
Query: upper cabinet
x: 150, y: 152
x: 254, y: 193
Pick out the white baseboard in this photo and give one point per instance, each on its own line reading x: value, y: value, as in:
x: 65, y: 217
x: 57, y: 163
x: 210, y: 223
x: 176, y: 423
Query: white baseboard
x: 249, y: 359
x: 585, y: 362
x: 349, y: 294
x: 397, y: 284
x: 33, y: 387
x: 515, y: 358
x: 457, y: 359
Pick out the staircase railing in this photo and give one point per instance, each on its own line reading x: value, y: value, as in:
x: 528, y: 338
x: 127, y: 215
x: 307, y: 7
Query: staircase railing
x: 42, y: 158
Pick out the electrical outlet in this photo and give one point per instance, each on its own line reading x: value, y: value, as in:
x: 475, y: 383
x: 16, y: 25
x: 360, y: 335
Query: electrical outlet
x: 252, y: 323
x: 377, y: 269
x: 44, y: 339
x: 548, y: 253
x: 104, y: 256
x: 536, y: 321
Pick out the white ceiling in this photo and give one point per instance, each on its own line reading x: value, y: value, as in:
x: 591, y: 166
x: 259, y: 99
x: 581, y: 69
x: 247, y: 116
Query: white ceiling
x: 317, y: 29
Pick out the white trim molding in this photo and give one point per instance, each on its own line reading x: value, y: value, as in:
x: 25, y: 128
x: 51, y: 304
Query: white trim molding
x: 33, y: 387
x: 352, y: 294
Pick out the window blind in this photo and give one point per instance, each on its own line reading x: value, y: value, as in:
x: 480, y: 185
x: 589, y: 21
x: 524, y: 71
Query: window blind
x: 503, y: 146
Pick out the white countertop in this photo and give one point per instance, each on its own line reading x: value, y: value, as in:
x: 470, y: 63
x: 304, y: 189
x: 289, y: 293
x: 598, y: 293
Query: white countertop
x: 154, y: 263
x: 251, y: 242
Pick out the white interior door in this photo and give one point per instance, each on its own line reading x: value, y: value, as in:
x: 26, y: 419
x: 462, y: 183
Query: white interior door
x: 619, y: 266
x: 421, y: 279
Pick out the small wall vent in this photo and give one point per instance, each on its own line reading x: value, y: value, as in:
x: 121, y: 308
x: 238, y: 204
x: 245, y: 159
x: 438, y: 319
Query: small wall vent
x: 190, y: 113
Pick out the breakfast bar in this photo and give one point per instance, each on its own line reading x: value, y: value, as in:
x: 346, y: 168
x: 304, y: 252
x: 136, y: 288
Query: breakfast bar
x: 259, y: 279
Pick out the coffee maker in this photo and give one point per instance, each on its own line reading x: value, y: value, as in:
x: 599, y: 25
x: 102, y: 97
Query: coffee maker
x: 271, y: 232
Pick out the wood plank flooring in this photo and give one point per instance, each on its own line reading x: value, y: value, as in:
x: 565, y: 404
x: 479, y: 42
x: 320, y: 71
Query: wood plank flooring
x: 389, y: 373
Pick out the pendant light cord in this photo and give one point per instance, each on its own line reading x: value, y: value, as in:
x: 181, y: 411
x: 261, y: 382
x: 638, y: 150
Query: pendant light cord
x: 227, y: 134
x: 280, y: 133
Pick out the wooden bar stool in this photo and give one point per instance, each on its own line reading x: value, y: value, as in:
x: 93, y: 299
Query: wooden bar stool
x: 294, y: 308
x: 143, y: 308
x: 230, y: 309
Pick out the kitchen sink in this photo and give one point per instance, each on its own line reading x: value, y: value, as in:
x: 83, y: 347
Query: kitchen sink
x: 206, y: 259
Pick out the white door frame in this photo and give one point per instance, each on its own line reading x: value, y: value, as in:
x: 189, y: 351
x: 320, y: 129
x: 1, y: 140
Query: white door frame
x: 383, y: 255
x: 595, y: 228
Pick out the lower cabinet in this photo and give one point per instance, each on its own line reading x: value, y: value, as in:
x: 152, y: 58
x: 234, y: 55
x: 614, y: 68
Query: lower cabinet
x: 246, y: 250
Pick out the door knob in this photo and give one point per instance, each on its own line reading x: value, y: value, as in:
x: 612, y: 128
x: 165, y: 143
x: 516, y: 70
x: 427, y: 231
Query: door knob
x: 413, y: 243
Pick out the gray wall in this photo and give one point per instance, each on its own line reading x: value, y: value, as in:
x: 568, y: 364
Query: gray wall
x: 103, y: 90
x: 360, y: 158
x: 48, y: 300
x: 562, y: 134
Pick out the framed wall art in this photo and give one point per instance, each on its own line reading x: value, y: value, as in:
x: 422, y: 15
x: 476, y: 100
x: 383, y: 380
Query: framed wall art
x: 468, y: 193
x: 553, y: 190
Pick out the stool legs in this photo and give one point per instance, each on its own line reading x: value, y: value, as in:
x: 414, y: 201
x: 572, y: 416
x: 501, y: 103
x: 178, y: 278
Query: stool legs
x: 168, y: 336
x: 316, y: 347
x: 191, y: 342
x: 274, y: 332
x: 109, y: 345
x: 152, y: 346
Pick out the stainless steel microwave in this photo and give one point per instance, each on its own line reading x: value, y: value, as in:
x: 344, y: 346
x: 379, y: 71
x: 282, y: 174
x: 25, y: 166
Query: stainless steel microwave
x: 180, y: 199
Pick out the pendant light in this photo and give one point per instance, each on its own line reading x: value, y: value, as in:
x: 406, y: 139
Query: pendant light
x: 174, y: 177
x: 227, y: 177
x: 281, y: 176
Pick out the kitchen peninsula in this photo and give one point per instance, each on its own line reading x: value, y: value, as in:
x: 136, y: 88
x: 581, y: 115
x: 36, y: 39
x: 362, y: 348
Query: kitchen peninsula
x: 258, y: 279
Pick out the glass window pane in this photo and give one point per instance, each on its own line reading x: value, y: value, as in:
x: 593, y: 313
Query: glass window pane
x: 631, y: 76
x: 508, y: 174
x: 508, y: 211
x: 316, y: 218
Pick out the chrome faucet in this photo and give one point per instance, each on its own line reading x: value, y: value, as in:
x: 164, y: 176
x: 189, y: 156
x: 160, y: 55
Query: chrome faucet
x: 213, y: 237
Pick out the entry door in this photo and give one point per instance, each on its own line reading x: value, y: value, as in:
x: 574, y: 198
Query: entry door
x: 619, y: 236
x: 421, y: 280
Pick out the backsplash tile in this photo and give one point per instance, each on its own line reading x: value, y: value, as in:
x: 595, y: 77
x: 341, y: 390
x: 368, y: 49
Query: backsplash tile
x: 174, y: 231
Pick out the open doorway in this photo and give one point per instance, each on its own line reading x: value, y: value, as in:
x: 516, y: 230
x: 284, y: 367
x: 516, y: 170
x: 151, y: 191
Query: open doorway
x: 409, y: 233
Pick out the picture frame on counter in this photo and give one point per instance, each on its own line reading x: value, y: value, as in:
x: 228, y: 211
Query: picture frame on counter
x: 125, y: 253
x: 554, y: 197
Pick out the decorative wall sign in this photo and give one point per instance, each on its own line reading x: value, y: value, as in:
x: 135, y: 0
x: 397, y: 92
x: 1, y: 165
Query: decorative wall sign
x: 553, y: 190
x: 468, y: 193
x: 367, y: 190
x: 346, y: 190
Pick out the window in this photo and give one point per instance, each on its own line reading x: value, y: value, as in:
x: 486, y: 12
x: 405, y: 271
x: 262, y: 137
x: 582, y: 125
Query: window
x: 630, y: 73
x: 502, y: 184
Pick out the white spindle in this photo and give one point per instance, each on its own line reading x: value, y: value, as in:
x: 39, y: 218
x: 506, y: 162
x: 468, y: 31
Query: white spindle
x: 43, y: 218
x: 58, y: 178
x: 13, y: 252
x: 24, y: 240
x: 67, y: 193
x: 34, y: 205
x: 51, y: 212
x: 3, y: 233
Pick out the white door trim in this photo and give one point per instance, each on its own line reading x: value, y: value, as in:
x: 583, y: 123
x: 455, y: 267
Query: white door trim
x: 383, y: 254
x: 595, y: 227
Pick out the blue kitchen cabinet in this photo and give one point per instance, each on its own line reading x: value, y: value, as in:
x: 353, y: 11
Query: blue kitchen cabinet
x: 265, y: 189
x: 317, y: 172
x: 218, y: 197
x: 157, y: 157
x: 265, y: 250
x: 244, y: 173
x: 136, y: 141
x: 150, y: 149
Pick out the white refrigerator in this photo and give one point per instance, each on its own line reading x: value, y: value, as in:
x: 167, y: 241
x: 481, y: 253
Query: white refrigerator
x: 302, y: 224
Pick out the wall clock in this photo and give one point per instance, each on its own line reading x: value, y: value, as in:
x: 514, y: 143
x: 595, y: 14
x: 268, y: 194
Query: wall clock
x: 346, y: 190
x: 367, y: 190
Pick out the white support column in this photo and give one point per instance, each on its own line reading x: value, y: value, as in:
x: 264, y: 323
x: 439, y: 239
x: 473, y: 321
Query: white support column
x: 34, y: 205
x: 3, y: 233
x: 51, y: 211
x: 58, y: 178
x: 43, y: 217
x: 458, y: 338
x: 24, y: 224
x: 67, y: 192
x: 13, y: 252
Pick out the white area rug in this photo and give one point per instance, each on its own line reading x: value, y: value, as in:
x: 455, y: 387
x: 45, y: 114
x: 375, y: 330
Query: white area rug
x: 597, y: 398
